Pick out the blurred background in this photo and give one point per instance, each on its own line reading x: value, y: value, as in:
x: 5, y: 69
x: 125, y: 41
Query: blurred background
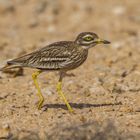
x: 26, y: 23
x: 107, y: 89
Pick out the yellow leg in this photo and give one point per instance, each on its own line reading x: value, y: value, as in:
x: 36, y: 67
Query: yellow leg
x: 59, y: 90
x: 41, y: 98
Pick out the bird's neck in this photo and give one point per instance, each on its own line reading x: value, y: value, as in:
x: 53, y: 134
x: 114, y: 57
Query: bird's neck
x: 84, y: 47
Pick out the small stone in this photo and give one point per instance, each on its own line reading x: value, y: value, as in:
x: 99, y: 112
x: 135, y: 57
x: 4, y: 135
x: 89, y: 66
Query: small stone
x: 97, y: 89
x: 51, y: 29
x: 119, y: 10
x: 6, y: 6
x: 82, y: 119
x: 117, y: 45
x: 47, y: 91
x: 137, y: 110
x: 41, y: 7
x: 5, y: 132
x: 33, y: 23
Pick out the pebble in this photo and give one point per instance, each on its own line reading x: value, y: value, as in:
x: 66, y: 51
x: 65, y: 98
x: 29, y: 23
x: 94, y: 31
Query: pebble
x: 119, y: 10
x: 51, y: 29
x: 117, y: 45
x: 97, y: 89
x: 47, y: 91
x: 5, y: 132
x: 6, y: 6
x: 41, y: 6
x: 33, y: 23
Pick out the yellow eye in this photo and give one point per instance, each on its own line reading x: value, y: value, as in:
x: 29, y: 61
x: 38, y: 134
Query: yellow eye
x: 88, y: 38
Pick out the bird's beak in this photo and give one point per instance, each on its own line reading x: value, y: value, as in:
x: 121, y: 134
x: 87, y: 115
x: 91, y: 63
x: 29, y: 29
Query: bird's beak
x: 101, y: 41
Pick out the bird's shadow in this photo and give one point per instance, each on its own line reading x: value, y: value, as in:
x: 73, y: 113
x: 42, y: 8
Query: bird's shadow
x: 79, y: 105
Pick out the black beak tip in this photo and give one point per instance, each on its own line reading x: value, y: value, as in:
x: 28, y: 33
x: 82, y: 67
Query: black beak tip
x: 106, y: 42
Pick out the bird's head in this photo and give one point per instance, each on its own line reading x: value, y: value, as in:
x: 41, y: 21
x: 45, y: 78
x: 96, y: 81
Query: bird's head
x: 89, y: 39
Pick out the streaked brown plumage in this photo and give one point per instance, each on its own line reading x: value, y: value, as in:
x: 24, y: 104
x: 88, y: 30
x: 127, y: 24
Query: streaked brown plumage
x: 61, y: 56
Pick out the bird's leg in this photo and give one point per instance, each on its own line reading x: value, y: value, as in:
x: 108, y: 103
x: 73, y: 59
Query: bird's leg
x: 59, y: 90
x: 41, y: 98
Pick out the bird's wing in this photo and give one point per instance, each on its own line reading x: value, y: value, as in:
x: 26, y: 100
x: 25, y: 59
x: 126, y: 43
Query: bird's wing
x: 51, y: 58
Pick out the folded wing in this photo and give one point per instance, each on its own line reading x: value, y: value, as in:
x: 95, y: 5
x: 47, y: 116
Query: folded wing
x: 52, y: 57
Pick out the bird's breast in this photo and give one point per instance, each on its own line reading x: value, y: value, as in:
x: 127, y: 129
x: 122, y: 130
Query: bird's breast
x: 78, y: 57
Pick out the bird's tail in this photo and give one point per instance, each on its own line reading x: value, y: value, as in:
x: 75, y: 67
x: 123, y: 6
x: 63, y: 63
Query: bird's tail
x: 8, y: 67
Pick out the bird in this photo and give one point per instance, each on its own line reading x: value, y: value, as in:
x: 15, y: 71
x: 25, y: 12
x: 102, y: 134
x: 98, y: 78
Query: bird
x: 59, y: 56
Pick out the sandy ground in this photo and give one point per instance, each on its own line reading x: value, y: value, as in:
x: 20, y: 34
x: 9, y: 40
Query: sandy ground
x: 105, y: 92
